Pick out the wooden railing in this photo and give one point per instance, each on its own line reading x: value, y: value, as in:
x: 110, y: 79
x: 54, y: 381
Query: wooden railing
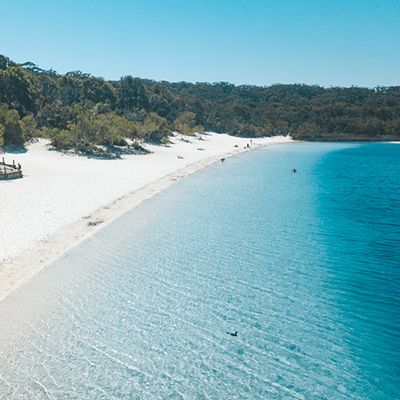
x: 10, y: 171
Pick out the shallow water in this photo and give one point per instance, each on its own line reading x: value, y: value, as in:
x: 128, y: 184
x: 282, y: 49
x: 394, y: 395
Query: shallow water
x: 304, y: 266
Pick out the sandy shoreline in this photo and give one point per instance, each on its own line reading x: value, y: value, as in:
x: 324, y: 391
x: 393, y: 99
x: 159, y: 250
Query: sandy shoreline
x: 64, y: 199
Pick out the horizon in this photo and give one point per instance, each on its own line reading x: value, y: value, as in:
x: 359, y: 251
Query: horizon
x: 21, y: 64
x: 340, y: 44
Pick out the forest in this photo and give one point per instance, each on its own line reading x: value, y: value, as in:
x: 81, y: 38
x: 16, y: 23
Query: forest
x: 85, y: 113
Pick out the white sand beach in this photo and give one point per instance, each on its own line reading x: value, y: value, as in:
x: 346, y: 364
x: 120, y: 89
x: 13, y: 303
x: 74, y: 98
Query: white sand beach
x: 64, y: 198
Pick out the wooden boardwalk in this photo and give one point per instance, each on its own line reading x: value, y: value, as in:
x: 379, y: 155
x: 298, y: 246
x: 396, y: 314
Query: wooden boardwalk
x: 10, y: 171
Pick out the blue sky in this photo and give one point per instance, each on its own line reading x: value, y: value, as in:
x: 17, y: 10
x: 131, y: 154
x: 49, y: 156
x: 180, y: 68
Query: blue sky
x: 326, y: 42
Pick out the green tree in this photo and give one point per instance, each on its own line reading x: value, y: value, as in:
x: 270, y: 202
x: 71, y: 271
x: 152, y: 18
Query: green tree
x: 186, y: 123
x: 13, y: 133
x: 132, y: 94
x: 1, y: 135
x: 153, y: 128
x: 18, y: 89
x: 29, y: 126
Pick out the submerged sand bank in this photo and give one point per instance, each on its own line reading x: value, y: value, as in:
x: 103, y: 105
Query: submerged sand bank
x: 63, y: 198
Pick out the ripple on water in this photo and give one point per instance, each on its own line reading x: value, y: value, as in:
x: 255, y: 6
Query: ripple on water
x: 296, y: 264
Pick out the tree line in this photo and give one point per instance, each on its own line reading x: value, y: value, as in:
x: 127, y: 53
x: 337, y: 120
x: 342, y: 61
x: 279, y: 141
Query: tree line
x: 82, y: 112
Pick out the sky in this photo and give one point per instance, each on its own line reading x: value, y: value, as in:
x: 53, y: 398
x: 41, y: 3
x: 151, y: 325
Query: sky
x: 262, y: 42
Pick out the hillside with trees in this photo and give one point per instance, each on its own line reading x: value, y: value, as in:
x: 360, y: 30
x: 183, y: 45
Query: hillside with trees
x: 82, y: 112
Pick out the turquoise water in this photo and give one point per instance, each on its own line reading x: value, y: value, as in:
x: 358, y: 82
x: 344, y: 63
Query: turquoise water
x: 306, y: 267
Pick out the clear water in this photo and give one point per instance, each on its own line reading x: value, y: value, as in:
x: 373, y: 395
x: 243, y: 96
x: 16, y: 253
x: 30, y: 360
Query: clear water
x: 306, y: 267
